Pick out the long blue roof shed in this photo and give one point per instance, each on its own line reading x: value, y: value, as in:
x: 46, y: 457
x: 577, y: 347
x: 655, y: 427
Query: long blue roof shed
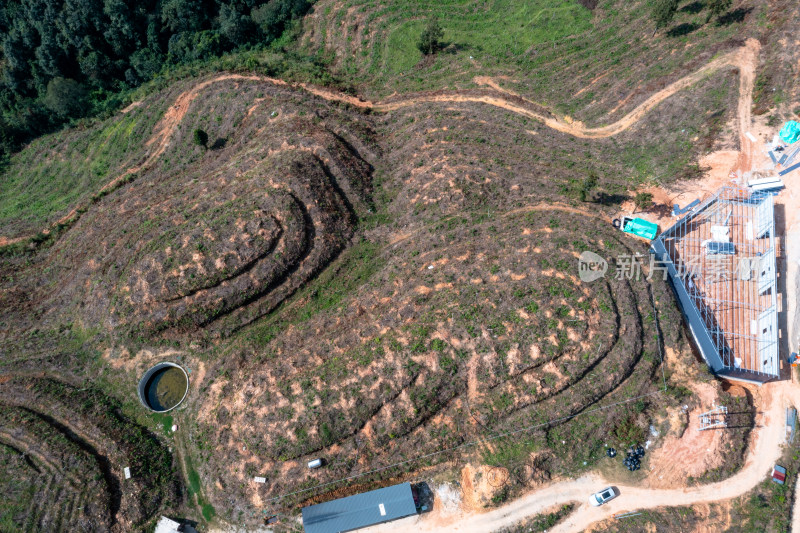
x: 360, y: 510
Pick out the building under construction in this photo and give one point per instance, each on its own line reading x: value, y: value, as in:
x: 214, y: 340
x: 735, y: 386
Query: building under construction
x: 720, y: 259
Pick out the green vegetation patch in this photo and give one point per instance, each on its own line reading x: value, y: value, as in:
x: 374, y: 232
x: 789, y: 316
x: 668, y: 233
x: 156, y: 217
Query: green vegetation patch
x: 499, y: 28
x: 541, y: 522
x: 352, y: 269
x: 55, y: 173
x: 18, y: 486
x: 163, y: 420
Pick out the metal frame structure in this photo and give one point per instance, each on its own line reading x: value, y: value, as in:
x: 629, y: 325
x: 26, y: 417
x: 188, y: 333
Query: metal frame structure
x: 715, y: 418
x: 720, y: 259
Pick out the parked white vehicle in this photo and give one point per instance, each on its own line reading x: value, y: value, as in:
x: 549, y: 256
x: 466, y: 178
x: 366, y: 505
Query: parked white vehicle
x: 599, y: 498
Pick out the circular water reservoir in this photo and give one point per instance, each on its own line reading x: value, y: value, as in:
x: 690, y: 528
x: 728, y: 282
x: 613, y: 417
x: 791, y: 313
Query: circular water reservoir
x: 163, y: 387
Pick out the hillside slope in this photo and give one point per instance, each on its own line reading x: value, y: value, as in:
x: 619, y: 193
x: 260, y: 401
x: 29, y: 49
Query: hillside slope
x: 389, y: 282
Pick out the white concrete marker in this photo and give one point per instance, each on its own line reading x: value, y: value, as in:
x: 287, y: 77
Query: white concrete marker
x: 127, y: 471
x: 258, y: 479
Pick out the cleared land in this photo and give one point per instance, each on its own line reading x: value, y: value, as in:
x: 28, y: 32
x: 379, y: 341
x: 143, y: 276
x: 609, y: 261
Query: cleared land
x: 588, y: 65
x: 363, y: 281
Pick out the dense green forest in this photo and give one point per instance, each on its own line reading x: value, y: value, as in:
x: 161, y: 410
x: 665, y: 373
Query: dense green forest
x: 65, y: 59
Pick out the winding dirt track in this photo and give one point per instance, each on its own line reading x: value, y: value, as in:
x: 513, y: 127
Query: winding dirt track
x: 764, y: 452
x: 744, y: 58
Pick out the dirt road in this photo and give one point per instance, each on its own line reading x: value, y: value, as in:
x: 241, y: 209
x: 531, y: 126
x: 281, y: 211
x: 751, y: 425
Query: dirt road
x: 764, y: 452
x: 744, y: 58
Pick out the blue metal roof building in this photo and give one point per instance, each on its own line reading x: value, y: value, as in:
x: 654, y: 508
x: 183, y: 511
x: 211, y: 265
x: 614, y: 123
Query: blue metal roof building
x: 360, y: 510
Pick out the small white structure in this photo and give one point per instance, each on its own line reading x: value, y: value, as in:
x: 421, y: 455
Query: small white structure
x: 316, y: 463
x: 174, y: 428
x: 259, y: 479
x: 166, y: 525
x: 127, y: 471
x: 766, y: 184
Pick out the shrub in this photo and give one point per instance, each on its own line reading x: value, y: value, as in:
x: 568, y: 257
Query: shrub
x: 663, y: 13
x: 200, y: 138
x: 429, y: 39
x: 643, y: 200
x: 589, y: 183
x: 716, y: 8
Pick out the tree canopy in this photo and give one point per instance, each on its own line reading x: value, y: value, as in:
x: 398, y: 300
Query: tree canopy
x: 64, y: 59
x: 663, y: 11
x: 430, y: 37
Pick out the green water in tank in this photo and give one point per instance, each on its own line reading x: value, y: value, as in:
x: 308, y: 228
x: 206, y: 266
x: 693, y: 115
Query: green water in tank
x: 166, y: 388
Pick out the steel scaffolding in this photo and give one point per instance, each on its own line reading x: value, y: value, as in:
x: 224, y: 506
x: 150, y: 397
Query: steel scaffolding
x: 720, y: 258
x: 715, y: 418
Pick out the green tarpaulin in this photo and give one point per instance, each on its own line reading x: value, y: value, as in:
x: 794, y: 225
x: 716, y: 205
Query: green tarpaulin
x: 790, y: 133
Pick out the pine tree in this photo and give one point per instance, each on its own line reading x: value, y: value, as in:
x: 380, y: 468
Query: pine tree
x: 663, y: 12
x: 201, y: 138
x: 431, y: 35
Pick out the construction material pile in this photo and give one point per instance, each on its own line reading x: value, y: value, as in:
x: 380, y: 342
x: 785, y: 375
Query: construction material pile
x: 633, y: 458
x: 784, y: 149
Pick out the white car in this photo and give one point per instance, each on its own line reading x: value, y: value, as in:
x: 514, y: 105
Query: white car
x: 599, y: 498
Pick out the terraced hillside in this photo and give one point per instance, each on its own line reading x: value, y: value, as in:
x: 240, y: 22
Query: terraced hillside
x: 462, y: 314
x: 476, y: 325
x: 213, y: 237
x: 438, y: 300
x: 592, y: 65
x: 391, y: 285
x: 64, y: 450
x: 382, y: 37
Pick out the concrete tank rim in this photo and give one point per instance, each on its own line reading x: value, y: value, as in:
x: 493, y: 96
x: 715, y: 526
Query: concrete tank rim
x: 146, y: 377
